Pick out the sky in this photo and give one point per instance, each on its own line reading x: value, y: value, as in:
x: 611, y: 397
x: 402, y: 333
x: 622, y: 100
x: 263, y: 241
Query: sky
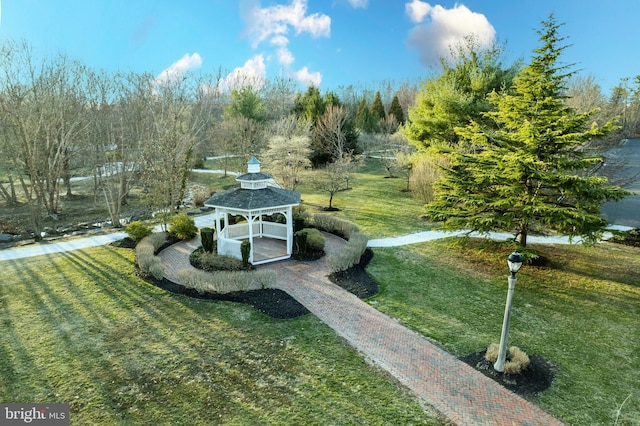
x: 326, y: 43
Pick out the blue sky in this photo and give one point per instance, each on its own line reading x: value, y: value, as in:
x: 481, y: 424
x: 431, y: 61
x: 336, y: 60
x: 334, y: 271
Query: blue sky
x: 322, y: 42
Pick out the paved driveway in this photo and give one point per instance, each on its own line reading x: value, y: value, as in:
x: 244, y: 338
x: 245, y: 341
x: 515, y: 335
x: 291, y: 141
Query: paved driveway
x: 627, y: 211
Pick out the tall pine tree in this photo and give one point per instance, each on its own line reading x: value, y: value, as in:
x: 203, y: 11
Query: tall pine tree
x: 377, y: 109
x: 395, y: 109
x: 525, y: 171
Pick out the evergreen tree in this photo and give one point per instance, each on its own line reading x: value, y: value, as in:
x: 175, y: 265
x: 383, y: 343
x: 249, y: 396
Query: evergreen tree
x: 309, y: 106
x: 377, y: 109
x: 364, y: 120
x: 245, y: 103
x: 457, y: 96
x: 525, y: 171
x: 395, y: 109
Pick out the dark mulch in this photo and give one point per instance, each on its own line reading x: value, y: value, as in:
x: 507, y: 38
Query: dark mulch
x: 356, y: 280
x: 124, y: 243
x: 536, y: 378
x: 272, y: 302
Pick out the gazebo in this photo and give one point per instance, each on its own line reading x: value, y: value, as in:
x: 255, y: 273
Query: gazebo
x: 256, y: 201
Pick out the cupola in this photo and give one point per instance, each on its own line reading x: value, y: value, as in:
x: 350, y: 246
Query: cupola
x: 254, y: 178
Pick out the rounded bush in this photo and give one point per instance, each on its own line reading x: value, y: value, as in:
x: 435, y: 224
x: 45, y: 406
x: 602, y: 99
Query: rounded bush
x: 137, y: 230
x: 309, y: 243
x: 183, y: 227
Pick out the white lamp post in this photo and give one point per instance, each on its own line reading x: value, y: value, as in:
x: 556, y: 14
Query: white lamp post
x: 514, y: 261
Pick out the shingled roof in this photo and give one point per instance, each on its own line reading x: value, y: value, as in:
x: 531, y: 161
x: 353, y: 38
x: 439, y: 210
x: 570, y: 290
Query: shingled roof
x: 254, y: 199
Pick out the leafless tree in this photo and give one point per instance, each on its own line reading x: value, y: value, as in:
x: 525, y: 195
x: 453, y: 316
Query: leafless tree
x: 44, y: 112
x: 331, y: 129
x: 289, y: 149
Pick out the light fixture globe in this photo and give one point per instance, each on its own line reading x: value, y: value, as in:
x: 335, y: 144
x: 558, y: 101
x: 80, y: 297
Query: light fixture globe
x: 515, y: 261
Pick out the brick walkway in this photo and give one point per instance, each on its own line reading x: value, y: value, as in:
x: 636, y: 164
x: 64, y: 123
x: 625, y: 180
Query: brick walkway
x: 459, y: 392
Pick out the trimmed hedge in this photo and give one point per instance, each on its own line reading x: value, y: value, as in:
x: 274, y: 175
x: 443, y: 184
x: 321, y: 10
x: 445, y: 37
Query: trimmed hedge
x: 309, y: 243
x: 149, y: 263
x: 332, y: 225
x: 350, y: 254
x: 225, y: 281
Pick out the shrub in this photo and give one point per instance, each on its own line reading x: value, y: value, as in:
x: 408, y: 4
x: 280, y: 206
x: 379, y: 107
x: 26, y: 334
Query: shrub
x: 156, y: 269
x: 350, y: 254
x: 145, y: 254
x: 298, y: 224
x: 183, y: 227
x: 215, y: 262
x: 157, y: 240
x: 137, y: 230
x: 225, y: 282
x: 206, y: 236
x: 424, y: 173
x: 309, y: 243
x: 200, y: 195
x: 516, y: 360
x: 334, y: 225
x: 245, y: 251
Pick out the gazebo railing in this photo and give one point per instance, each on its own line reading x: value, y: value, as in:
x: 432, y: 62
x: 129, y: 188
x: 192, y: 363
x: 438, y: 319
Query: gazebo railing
x: 229, y: 247
x: 274, y: 230
x: 268, y: 229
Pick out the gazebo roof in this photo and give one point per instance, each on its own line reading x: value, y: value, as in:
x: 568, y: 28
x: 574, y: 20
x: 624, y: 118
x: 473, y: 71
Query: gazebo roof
x: 254, y: 199
x: 254, y: 177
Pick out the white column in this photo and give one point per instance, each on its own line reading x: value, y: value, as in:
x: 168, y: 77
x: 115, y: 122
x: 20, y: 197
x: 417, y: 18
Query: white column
x: 250, y: 221
x: 289, y: 217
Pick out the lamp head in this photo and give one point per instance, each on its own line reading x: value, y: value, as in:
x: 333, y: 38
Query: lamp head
x: 515, y: 261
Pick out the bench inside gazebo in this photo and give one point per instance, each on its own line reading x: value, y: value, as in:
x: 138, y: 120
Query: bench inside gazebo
x: 258, y: 202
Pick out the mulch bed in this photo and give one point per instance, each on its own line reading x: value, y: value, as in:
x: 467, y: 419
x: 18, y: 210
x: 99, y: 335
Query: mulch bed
x: 272, y: 302
x: 536, y: 378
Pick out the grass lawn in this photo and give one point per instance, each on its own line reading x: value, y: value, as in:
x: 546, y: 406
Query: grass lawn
x: 581, y: 313
x: 80, y: 327
x: 377, y: 204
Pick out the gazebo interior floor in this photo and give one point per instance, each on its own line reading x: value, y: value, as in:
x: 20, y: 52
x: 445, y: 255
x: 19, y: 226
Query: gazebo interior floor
x: 268, y: 248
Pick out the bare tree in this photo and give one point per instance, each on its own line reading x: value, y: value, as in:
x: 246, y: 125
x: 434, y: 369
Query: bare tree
x: 333, y: 179
x: 289, y: 149
x: 180, y: 114
x: 387, y: 126
x: 44, y: 112
x: 331, y: 128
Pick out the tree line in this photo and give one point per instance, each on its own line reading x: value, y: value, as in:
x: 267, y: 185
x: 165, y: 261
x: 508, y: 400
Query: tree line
x: 60, y: 118
x: 486, y: 145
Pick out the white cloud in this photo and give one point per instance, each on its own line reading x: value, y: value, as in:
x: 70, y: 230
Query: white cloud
x: 308, y: 78
x: 252, y: 73
x: 445, y: 28
x: 279, y: 40
x: 417, y: 10
x: 285, y: 57
x: 179, y: 68
x: 273, y: 21
x: 359, y: 4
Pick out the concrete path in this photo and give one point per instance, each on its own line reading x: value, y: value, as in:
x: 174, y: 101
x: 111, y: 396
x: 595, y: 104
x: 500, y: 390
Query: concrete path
x: 437, y: 378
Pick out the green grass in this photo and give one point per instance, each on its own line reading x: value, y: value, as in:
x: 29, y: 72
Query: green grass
x: 582, y: 314
x: 378, y: 205
x: 80, y: 327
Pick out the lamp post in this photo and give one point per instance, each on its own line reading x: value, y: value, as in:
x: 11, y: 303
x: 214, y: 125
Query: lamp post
x: 514, y: 261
